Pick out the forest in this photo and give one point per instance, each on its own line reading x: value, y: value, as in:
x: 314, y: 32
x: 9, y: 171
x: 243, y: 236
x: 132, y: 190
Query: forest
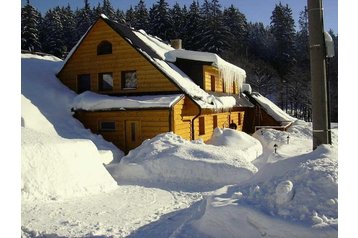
x: 275, y: 57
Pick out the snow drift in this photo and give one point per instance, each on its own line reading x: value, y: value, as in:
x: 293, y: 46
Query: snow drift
x: 169, y: 161
x: 58, y: 160
x: 56, y: 168
x: 237, y: 140
x: 292, y: 198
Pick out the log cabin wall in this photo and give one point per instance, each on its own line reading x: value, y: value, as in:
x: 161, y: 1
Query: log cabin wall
x: 150, y: 123
x: 210, y: 73
x: 123, y: 58
x: 182, y: 115
x: 205, y: 124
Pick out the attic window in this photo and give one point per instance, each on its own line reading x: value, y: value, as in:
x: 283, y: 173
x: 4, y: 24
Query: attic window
x: 104, y: 48
x: 107, y: 126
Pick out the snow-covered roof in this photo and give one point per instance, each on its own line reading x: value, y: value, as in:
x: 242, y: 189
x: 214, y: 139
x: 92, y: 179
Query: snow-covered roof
x: 272, y: 109
x: 162, y: 55
x: 91, y: 101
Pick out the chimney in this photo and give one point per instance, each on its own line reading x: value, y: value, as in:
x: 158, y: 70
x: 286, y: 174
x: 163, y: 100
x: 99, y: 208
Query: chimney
x: 176, y: 44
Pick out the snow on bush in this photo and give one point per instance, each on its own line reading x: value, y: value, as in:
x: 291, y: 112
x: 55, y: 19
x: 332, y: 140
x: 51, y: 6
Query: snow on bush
x: 237, y: 140
x: 169, y: 161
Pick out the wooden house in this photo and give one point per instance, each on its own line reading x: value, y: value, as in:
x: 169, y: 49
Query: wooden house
x: 133, y: 86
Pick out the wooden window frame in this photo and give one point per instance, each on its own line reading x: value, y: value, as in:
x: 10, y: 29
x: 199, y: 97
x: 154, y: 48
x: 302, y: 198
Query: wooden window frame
x: 201, y: 126
x: 102, y: 128
x: 100, y: 82
x: 78, y: 83
x: 104, y: 48
x: 123, y: 81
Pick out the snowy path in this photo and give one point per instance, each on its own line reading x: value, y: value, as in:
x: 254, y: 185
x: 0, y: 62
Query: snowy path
x: 120, y: 213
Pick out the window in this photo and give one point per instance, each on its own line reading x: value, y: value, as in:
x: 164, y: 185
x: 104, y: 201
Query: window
x: 104, y: 48
x: 83, y: 83
x: 212, y: 79
x: 129, y: 79
x: 201, y: 125
x: 105, y: 81
x: 107, y: 126
x: 239, y: 119
x: 224, y: 88
x: 215, y: 122
x: 133, y: 131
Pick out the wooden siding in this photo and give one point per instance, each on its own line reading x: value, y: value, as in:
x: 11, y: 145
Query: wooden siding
x: 152, y: 123
x: 181, y: 125
x: 223, y: 121
x: 209, y: 71
x: 257, y: 117
x: 123, y: 58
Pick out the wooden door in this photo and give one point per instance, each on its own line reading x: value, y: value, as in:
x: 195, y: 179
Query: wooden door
x: 133, y: 136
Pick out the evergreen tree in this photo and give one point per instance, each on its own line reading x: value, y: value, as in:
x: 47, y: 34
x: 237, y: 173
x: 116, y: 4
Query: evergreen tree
x: 236, y: 21
x: 260, y: 42
x: 178, y: 17
x: 120, y: 16
x: 84, y: 19
x: 96, y: 12
x: 192, y: 27
x: 30, y: 28
x: 108, y: 10
x: 141, y: 16
x: 215, y: 35
x: 53, y: 33
x: 283, y: 29
x: 69, y: 27
x: 302, y: 44
x: 130, y: 17
x: 161, y: 24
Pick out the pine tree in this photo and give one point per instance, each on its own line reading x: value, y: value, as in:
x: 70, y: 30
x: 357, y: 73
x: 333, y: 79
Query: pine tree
x: 141, y: 16
x: 30, y: 28
x: 161, y: 24
x: 215, y: 34
x: 69, y: 27
x: 108, y: 10
x: 120, y: 16
x: 237, y: 24
x: 130, y: 17
x: 178, y: 17
x: 192, y: 27
x: 283, y: 29
x: 53, y: 33
x: 302, y: 39
x: 84, y: 19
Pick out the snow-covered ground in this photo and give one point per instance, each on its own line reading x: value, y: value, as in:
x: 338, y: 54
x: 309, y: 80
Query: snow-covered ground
x: 233, y: 186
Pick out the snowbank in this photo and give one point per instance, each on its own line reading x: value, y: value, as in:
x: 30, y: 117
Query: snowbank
x: 291, y: 198
x: 56, y: 168
x: 169, y: 161
x: 237, y: 140
x: 53, y: 102
x: 59, y: 159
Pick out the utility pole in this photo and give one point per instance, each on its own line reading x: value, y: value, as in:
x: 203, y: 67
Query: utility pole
x: 320, y: 120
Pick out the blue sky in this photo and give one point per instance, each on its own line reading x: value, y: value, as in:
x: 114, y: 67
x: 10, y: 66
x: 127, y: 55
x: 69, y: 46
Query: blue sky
x: 255, y: 10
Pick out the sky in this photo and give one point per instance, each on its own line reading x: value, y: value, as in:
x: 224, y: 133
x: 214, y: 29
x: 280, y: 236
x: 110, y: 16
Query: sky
x: 254, y: 10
